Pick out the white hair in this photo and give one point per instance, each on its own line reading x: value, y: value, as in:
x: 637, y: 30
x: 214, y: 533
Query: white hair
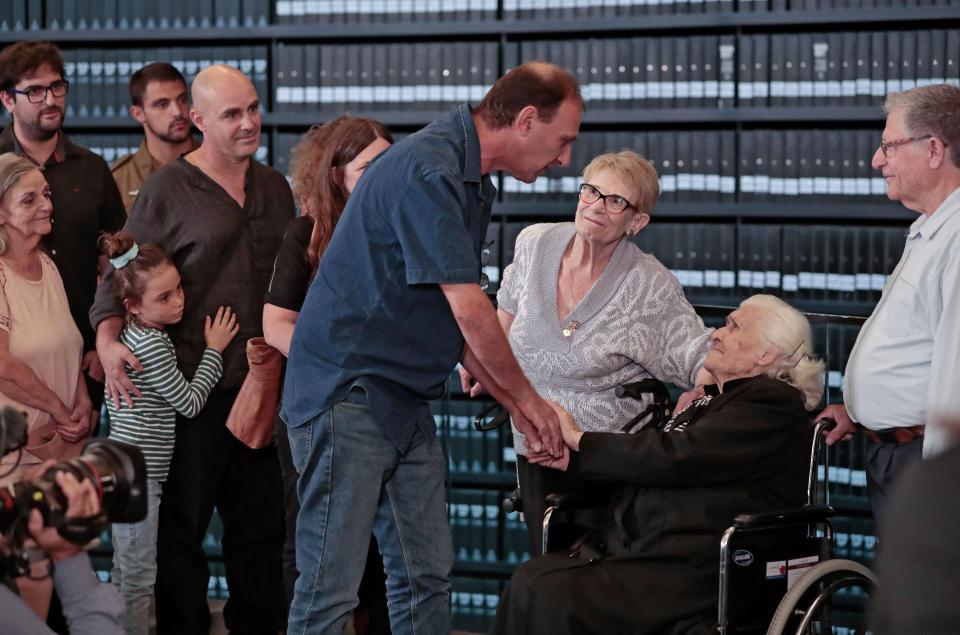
x: 788, y: 330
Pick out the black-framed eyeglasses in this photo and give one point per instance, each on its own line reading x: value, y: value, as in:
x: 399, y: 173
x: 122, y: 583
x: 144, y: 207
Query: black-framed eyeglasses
x: 889, y: 148
x: 613, y: 203
x: 37, y: 94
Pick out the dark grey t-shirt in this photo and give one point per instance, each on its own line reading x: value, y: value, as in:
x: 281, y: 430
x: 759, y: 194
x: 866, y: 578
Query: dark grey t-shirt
x: 224, y: 253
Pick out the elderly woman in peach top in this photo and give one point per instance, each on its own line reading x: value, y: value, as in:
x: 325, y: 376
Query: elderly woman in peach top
x: 40, y: 345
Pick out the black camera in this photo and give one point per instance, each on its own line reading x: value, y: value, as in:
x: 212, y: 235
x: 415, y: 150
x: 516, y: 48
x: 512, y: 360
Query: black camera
x: 119, y: 476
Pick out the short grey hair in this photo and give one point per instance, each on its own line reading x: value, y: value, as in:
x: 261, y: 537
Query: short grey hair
x: 930, y: 110
x: 12, y: 167
x: 789, y: 330
x: 632, y: 168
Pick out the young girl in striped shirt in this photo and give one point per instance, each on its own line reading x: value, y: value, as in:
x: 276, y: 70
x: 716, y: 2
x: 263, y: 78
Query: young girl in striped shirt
x: 149, y: 285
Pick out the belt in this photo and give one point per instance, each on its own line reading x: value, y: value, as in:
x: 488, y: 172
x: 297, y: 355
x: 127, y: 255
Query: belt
x: 895, y: 436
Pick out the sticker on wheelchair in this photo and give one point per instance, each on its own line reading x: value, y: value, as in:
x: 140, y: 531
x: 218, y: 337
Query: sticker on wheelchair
x: 776, y: 569
x: 796, y: 568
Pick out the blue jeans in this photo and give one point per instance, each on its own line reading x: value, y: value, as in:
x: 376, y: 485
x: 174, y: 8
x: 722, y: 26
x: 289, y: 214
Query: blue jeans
x: 135, y: 563
x: 353, y: 480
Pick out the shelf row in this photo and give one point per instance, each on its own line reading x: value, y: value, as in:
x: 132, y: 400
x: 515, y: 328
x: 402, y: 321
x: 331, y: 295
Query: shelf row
x: 100, y: 27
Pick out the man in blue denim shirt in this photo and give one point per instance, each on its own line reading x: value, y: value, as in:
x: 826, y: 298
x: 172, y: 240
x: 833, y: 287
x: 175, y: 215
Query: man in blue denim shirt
x: 395, y: 304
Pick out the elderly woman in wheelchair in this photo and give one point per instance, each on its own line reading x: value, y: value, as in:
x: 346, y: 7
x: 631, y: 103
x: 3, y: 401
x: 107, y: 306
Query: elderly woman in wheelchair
x: 742, y: 447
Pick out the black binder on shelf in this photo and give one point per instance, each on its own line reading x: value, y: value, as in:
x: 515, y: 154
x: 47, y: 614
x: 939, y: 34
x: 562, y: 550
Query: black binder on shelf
x: 726, y: 71
x: 938, y: 53
x: 878, y: 66
x: 776, y: 187
x: 684, y: 167
x: 727, y: 165
x: 763, y: 163
x: 694, y: 72
x: 778, y: 70
x: 951, y: 63
x: 908, y: 60
x: 666, y: 142
x: 834, y: 159
x: 848, y: 92
x: 598, y: 77
x: 282, y: 79
x: 34, y: 19
x: 791, y: 71
x: 226, y: 13
x: 110, y: 81
x: 761, y: 69
x: 668, y: 86
x: 652, y: 79
x: 924, y: 57
x: 680, y: 60
x: 863, y: 69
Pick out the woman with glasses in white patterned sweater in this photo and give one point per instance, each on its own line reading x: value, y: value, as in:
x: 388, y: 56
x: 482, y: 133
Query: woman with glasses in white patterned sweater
x: 585, y: 310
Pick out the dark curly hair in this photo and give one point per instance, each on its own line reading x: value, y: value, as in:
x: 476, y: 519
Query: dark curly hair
x: 22, y: 58
x: 321, y: 151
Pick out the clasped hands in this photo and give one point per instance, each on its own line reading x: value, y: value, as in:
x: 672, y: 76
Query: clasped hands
x: 571, y: 441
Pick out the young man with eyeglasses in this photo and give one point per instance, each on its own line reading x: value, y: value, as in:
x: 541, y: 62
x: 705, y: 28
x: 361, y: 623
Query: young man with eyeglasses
x: 901, y: 379
x: 86, y: 202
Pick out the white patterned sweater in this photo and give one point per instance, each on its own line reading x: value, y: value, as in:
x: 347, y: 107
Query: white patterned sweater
x: 634, y: 323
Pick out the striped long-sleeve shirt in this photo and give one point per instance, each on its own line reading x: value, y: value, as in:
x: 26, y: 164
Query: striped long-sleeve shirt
x: 151, y: 423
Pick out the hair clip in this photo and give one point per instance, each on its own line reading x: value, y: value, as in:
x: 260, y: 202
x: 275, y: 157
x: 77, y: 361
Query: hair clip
x: 123, y: 260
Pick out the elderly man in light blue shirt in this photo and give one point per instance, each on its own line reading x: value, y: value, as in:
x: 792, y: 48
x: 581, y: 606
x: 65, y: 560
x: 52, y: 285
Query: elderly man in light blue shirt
x: 902, y: 377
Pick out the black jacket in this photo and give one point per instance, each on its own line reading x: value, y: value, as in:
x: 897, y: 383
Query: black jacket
x: 654, y: 565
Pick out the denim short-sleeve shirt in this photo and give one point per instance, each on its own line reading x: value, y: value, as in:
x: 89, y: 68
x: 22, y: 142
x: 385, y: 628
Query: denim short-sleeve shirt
x: 375, y: 315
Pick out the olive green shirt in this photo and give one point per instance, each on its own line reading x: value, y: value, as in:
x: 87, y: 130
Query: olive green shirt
x: 131, y: 170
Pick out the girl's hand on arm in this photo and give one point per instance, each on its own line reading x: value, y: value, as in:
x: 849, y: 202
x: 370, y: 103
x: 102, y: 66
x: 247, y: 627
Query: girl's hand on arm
x: 220, y: 330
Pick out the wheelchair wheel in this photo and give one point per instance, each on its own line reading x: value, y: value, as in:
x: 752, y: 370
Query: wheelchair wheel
x: 809, y: 596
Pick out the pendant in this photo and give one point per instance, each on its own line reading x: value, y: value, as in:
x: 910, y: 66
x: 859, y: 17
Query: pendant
x: 568, y: 331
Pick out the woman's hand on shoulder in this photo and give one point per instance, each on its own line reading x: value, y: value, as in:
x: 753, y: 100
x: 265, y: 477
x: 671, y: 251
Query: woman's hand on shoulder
x: 219, y: 330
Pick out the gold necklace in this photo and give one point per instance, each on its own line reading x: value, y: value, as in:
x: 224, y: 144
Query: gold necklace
x: 573, y: 325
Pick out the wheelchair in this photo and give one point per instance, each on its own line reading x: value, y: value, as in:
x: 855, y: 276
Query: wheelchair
x: 776, y: 574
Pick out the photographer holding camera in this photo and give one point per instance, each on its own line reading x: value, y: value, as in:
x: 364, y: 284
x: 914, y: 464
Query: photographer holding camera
x: 59, y: 509
x: 88, y: 605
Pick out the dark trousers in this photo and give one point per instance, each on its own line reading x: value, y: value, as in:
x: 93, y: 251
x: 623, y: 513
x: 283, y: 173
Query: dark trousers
x: 210, y: 468
x: 291, y: 507
x: 536, y: 482
x: 885, y: 462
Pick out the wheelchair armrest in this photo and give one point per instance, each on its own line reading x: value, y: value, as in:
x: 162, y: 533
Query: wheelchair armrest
x: 796, y: 516
x: 573, y: 501
x: 485, y: 426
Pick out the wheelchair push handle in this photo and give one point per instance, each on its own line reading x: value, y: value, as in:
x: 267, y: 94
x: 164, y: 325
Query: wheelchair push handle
x: 824, y: 425
x: 636, y: 390
x: 480, y: 422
